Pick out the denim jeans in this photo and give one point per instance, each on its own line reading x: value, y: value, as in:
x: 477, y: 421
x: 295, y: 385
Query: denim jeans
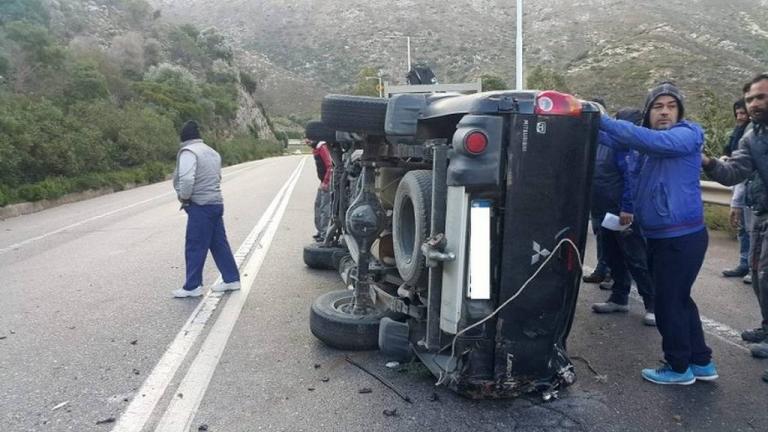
x: 205, y: 231
x: 322, y: 210
x: 743, y: 235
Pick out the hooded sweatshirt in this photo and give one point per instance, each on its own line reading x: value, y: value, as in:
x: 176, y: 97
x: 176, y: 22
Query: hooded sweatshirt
x: 667, y: 197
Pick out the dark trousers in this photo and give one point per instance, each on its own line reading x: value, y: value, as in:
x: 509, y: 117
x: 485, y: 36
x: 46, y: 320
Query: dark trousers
x: 602, y: 267
x: 625, y: 253
x: 675, y: 263
x: 759, y: 258
x: 205, y: 231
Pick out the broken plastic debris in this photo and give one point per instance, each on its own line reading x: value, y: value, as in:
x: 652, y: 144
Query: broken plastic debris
x: 59, y: 406
x: 392, y: 364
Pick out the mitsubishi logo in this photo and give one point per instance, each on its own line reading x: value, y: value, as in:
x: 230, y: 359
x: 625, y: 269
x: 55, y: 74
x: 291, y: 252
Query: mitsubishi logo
x: 538, y: 253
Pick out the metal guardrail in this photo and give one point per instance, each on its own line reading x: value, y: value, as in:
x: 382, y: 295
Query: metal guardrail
x: 715, y: 193
x: 473, y: 87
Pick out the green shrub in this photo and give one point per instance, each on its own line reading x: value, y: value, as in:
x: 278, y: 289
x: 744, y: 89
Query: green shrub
x: 245, y: 148
x: 493, y: 82
x: 717, y: 218
x: 50, y: 188
x: 86, y: 83
x: 248, y: 82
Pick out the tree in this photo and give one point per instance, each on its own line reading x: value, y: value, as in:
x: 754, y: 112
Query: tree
x: 174, y: 90
x: 367, y: 82
x: 127, y: 52
x: 492, y: 82
x: 716, y: 117
x: 32, y: 11
x: 33, y: 53
x: 541, y: 78
x: 215, y: 45
x: 86, y: 83
x: 183, y: 48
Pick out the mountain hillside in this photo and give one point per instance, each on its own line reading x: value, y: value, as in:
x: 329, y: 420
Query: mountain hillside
x: 610, y: 48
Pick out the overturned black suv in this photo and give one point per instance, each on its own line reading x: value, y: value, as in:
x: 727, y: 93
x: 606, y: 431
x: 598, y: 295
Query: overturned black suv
x: 458, y: 225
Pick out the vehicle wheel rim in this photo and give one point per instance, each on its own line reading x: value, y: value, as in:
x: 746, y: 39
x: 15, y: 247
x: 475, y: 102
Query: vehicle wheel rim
x: 346, y: 306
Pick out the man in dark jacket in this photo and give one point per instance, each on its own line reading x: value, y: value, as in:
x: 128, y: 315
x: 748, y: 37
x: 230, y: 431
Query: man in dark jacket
x: 669, y: 210
x: 624, y: 251
x: 740, y: 218
x: 751, y: 161
x: 742, y: 121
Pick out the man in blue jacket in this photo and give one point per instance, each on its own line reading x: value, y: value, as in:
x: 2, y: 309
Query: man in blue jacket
x: 669, y: 210
x: 624, y: 251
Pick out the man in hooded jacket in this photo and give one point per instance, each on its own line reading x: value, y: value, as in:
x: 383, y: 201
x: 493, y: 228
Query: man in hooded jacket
x: 624, y: 251
x: 750, y: 161
x: 669, y: 210
x: 740, y: 215
x: 197, y: 180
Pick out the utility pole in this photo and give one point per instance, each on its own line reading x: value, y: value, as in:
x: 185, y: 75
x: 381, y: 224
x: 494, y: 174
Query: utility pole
x: 408, y: 39
x: 519, y: 50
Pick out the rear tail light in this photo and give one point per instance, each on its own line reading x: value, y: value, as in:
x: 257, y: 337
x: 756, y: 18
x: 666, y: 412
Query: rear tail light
x: 475, y: 142
x: 556, y: 103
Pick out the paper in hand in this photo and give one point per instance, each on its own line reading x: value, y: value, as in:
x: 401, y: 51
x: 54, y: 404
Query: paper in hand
x: 612, y: 222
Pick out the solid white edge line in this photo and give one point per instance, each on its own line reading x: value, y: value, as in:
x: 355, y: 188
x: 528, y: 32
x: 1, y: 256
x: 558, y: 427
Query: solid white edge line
x: 181, y: 411
x: 109, y: 213
x: 146, y: 398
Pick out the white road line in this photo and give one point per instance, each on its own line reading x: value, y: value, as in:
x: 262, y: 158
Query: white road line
x: 181, y: 411
x: 77, y: 224
x: 713, y: 328
x: 146, y: 398
x: 101, y: 216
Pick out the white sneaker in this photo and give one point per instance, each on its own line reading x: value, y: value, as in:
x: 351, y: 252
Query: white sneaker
x: 221, y: 287
x: 181, y: 292
x: 649, y: 319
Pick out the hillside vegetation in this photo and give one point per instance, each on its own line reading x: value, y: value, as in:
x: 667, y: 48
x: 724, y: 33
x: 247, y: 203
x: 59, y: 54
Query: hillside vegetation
x: 611, y: 49
x: 92, y: 94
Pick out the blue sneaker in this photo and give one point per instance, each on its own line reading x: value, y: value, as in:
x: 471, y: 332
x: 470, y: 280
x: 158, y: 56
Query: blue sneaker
x: 666, y: 376
x: 707, y: 372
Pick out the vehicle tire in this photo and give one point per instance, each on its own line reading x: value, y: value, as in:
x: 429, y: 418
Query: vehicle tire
x: 319, y: 257
x: 333, y: 325
x: 315, y: 130
x: 355, y: 113
x: 411, y: 223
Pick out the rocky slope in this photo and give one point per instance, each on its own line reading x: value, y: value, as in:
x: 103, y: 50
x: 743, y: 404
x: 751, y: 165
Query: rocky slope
x: 612, y: 48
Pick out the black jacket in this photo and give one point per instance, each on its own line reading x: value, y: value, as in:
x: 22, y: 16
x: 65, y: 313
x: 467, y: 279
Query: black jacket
x: 733, y: 140
x: 749, y: 161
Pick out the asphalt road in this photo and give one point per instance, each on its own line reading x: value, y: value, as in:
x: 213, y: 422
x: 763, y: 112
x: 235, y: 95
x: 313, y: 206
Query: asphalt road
x: 89, y: 334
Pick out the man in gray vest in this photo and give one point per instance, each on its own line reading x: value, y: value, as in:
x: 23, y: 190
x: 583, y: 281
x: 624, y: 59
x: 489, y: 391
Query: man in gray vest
x: 751, y: 161
x: 197, y: 181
